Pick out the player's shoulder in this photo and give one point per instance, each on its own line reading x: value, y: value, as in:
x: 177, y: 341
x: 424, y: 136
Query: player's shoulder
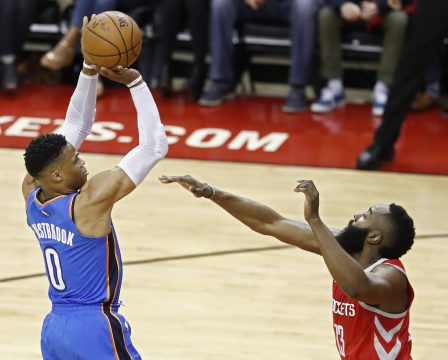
x: 392, y: 271
x: 95, y: 189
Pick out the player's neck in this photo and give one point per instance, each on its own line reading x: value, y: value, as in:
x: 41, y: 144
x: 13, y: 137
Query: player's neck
x: 49, y: 193
x: 367, y: 258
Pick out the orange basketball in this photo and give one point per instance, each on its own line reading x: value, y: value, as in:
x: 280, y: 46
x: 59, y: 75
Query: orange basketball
x: 110, y: 39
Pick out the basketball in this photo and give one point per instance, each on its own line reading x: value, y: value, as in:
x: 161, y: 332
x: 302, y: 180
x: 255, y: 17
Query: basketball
x: 110, y: 39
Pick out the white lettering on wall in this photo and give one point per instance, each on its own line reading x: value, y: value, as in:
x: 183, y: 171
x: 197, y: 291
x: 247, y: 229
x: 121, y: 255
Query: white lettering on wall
x: 27, y: 126
x: 205, y: 138
x: 176, y: 131
x: 208, y: 138
x: 5, y: 119
x: 104, y: 130
x: 269, y: 143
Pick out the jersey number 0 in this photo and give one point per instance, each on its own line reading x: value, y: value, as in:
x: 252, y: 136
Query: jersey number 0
x: 54, y: 269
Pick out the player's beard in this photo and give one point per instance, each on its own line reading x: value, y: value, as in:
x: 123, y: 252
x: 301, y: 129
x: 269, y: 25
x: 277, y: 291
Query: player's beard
x: 352, y: 238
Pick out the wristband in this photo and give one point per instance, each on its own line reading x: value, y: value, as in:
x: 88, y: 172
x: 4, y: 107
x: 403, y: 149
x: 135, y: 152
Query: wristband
x: 213, y: 191
x: 87, y: 66
x: 133, y: 82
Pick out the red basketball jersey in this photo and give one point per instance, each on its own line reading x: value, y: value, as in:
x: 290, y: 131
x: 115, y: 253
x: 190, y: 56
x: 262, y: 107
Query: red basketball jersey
x: 363, y: 332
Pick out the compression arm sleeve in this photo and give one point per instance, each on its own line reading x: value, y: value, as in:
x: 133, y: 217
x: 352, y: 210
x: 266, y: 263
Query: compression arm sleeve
x: 153, y: 144
x: 81, y: 111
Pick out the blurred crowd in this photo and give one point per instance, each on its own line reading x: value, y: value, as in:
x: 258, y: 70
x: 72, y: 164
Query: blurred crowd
x: 315, y: 27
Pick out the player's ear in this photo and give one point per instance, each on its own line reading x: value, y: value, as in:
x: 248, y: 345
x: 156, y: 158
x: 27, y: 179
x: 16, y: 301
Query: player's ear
x: 374, y: 237
x: 56, y: 176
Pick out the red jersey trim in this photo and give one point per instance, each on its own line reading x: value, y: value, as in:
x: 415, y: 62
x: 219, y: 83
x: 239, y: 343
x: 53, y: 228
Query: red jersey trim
x: 398, y: 268
x: 382, y: 313
x: 375, y: 264
x: 374, y: 309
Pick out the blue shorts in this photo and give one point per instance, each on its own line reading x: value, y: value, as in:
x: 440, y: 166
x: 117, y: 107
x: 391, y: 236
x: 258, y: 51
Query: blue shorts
x: 87, y: 332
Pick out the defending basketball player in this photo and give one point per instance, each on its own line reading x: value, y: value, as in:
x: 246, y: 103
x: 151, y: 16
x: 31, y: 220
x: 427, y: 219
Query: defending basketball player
x: 371, y: 292
x: 71, y: 218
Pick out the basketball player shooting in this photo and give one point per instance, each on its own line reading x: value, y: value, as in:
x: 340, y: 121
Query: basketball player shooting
x: 371, y: 292
x: 71, y: 218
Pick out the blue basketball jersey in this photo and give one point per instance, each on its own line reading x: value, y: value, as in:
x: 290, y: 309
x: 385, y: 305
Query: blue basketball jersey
x: 85, y: 280
x: 80, y: 269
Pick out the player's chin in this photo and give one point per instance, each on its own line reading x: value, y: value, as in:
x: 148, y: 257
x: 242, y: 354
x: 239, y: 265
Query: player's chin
x: 83, y: 179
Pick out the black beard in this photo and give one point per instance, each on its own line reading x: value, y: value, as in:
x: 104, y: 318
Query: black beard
x: 352, y: 238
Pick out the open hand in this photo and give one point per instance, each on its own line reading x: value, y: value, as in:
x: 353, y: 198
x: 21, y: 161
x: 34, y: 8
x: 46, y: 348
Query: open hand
x: 194, y: 186
x: 120, y: 74
x: 311, y: 206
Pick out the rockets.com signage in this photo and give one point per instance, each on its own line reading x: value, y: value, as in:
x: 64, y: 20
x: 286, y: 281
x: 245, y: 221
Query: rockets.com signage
x: 186, y: 141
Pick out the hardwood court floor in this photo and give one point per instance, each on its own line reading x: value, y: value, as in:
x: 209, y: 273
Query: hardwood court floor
x: 257, y: 299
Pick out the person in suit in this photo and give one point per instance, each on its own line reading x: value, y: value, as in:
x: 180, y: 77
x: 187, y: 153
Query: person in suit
x: 427, y: 28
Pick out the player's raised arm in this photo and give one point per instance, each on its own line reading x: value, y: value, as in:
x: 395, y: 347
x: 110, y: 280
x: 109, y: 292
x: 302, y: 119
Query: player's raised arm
x: 79, y: 117
x: 378, y: 287
x: 106, y: 188
x: 258, y: 217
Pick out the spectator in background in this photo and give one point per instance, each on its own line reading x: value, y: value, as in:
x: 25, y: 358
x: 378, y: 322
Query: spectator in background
x: 299, y: 14
x: 428, y: 27
x: 63, y: 53
x: 172, y: 20
x: 358, y: 14
x: 429, y: 97
x: 15, y: 19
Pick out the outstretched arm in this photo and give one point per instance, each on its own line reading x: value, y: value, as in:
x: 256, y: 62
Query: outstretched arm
x: 374, y: 288
x: 100, y: 193
x: 258, y: 217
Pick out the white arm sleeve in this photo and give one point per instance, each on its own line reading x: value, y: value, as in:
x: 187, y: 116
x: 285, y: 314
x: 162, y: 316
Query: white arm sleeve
x: 81, y: 111
x: 153, y: 144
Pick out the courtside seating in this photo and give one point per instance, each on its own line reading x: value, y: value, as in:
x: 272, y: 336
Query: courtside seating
x: 260, y: 47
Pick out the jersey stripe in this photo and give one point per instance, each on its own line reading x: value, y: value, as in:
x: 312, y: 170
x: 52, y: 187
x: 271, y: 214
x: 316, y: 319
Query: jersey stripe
x: 117, y: 336
x: 111, y: 333
x: 113, y: 271
x: 113, y: 268
x: 107, y: 272
x: 381, y: 312
x: 71, y: 208
x: 116, y: 264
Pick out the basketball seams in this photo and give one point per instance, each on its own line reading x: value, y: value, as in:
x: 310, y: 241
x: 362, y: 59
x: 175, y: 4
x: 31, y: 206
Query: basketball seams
x: 105, y: 39
x: 109, y: 42
x: 117, y: 54
x: 121, y: 35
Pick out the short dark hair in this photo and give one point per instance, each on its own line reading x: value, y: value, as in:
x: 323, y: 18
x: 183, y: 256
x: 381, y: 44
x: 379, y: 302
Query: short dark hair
x: 403, y: 233
x: 42, y: 151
